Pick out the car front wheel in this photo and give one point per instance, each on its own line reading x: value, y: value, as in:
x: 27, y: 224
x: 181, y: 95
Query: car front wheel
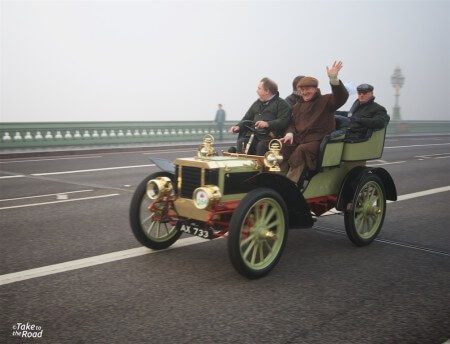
x: 153, y: 222
x: 258, y: 232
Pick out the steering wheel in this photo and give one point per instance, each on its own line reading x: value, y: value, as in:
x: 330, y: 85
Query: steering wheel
x: 250, y: 126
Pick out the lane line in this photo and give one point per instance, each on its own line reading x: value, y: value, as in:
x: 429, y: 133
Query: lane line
x: 91, y: 261
x: 90, y: 170
x: 387, y: 163
x: 125, y: 254
x: 389, y: 242
x: 33, y: 160
x: 430, y: 155
x: 405, y: 197
x: 430, y: 144
x: 442, y: 157
x: 60, y: 201
x: 422, y: 193
x: 15, y: 176
x: 53, y: 194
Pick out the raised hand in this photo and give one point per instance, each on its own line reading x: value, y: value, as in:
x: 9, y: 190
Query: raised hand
x: 334, y: 70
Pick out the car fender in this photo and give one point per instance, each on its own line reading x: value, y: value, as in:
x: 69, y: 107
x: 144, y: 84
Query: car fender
x: 388, y: 181
x: 353, y: 178
x: 164, y: 165
x: 299, y: 212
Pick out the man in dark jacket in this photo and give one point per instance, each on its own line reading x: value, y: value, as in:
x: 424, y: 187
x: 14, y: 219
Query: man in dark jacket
x: 312, y: 120
x: 220, y: 120
x: 293, y: 98
x: 269, y: 115
x: 365, y: 114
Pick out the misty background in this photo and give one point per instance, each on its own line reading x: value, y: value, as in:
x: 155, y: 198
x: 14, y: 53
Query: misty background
x: 169, y: 61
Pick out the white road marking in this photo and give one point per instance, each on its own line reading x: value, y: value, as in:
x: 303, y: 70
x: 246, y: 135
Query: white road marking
x: 61, y: 201
x: 334, y: 211
x: 386, y: 163
x: 91, y: 261
x: 430, y: 155
x: 422, y: 193
x: 430, y: 144
x: 32, y: 160
x: 442, y: 157
x: 53, y: 194
x: 90, y: 170
x: 15, y: 176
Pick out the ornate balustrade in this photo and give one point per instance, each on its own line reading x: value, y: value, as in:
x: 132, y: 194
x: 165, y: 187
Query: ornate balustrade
x: 21, y: 135
x: 16, y: 135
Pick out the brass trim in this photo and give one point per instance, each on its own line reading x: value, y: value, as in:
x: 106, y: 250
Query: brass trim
x: 202, y: 177
x: 186, y: 208
x: 179, y: 177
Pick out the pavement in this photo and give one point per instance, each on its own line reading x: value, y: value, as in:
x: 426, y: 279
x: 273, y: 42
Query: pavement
x: 71, y: 266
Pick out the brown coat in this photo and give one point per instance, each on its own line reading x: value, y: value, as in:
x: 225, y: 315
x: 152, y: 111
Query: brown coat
x: 311, y: 122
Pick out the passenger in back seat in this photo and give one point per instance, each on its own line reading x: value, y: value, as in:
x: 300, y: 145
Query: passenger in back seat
x: 364, y: 114
x: 312, y: 120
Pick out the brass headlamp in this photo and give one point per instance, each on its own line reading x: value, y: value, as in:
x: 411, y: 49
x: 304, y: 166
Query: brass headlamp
x: 159, y: 187
x: 206, y: 149
x: 206, y: 195
x: 273, y: 158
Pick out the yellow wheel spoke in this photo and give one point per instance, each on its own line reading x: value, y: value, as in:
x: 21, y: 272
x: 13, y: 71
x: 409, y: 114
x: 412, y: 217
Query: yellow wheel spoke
x: 157, y: 229
x: 150, y: 227
x: 261, y: 253
x: 246, y: 240
x: 255, y: 250
x: 273, y: 223
x: 268, y: 246
x: 269, y: 216
x: 249, y: 247
x: 264, y: 210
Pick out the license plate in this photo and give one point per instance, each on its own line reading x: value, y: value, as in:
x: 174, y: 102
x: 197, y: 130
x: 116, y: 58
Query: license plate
x: 202, y: 233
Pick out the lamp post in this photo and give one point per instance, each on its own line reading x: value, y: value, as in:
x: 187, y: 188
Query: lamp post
x: 397, y: 81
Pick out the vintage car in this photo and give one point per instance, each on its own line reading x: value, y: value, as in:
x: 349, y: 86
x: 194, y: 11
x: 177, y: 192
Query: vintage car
x: 247, y: 199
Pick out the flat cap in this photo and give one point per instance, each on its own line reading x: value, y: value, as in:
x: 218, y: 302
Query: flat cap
x: 308, y: 81
x: 364, y: 88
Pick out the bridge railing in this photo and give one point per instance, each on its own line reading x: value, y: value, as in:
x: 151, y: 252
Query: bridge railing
x: 47, y: 134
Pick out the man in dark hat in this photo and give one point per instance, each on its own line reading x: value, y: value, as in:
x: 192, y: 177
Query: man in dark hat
x: 293, y: 98
x: 312, y: 120
x: 365, y: 114
x: 270, y: 116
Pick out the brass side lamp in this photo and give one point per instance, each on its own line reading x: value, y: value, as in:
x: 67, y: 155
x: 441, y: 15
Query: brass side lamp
x: 206, y: 149
x: 273, y: 158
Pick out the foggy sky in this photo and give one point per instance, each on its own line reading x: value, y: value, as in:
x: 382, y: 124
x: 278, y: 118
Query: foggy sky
x: 123, y: 60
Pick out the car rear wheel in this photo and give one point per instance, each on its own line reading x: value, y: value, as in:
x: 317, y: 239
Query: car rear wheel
x: 258, y: 233
x: 364, y: 219
x: 152, y: 222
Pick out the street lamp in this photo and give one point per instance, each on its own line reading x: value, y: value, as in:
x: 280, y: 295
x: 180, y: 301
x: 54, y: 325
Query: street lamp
x: 397, y: 80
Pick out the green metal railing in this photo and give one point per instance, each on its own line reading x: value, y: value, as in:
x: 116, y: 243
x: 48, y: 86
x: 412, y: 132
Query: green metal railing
x: 36, y: 135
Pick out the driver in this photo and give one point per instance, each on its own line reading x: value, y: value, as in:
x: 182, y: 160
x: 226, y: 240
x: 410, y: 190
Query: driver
x: 270, y: 115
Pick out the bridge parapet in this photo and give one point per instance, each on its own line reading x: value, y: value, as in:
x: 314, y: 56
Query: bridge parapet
x: 16, y: 135
x: 46, y: 134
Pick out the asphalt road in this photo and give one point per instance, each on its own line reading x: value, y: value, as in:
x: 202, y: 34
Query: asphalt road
x: 57, y: 210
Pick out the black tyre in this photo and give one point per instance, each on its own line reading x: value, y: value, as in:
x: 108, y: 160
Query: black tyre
x: 364, y: 220
x: 258, y: 232
x: 156, y: 235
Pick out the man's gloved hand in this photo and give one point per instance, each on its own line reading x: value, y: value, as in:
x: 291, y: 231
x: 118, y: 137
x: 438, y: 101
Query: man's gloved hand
x: 354, y: 120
